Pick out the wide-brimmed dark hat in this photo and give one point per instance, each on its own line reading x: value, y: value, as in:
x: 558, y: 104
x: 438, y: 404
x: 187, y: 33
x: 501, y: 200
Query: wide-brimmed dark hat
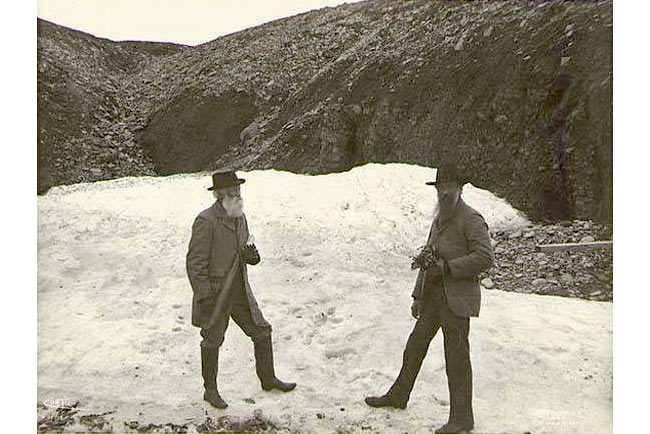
x: 224, y: 180
x: 449, y: 173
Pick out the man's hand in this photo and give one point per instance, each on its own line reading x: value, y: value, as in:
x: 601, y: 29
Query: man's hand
x: 250, y: 255
x: 415, y: 309
x: 425, y: 258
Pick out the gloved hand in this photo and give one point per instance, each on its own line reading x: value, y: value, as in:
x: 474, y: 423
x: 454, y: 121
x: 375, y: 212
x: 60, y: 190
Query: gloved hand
x: 415, y: 309
x: 425, y: 258
x: 250, y: 255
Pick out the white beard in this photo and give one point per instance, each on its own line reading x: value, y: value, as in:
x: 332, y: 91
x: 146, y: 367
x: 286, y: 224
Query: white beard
x: 233, y: 208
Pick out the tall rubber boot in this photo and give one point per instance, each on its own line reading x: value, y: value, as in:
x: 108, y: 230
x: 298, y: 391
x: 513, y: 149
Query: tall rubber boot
x: 264, y: 366
x: 209, y: 369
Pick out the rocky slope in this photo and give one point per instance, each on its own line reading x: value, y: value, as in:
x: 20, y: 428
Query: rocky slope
x: 584, y: 274
x: 85, y: 121
x: 518, y: 92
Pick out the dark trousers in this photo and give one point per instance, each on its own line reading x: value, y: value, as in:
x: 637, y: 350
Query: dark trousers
x: 435, y: 314
x: 239, y: 311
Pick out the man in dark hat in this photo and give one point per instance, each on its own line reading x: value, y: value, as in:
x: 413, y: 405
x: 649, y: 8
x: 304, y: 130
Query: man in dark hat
x: 446, y: 295
x: 216, y: 262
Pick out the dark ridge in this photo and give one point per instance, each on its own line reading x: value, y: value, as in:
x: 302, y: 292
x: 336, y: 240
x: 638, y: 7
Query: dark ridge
x: 520, y: 93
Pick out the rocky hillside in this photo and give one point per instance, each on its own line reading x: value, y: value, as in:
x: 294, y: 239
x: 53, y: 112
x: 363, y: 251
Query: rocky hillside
x: 85, y: 121
x: 520, y: 93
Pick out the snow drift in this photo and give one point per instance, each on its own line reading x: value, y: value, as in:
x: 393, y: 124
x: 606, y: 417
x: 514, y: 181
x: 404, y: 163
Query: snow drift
x: 334, y: 281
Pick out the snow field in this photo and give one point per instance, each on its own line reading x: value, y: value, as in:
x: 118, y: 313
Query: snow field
x: 114, y: 309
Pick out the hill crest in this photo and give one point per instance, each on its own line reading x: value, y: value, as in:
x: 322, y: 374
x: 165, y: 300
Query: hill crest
x: 519, y: 93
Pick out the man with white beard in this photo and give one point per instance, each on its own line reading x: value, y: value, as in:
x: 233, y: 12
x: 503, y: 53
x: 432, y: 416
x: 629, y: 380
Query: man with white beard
x: 216, y: 260
x: 446, y: 295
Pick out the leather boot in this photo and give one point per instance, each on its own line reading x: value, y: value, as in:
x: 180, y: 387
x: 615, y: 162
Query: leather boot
x: 456, y: 427
x: 416, y: 349
x: 209, y: 368
x: 385, y: 401
x: 264, y: 366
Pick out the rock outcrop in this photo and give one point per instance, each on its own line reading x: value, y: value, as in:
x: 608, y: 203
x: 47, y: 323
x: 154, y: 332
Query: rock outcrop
x: 519, y: 93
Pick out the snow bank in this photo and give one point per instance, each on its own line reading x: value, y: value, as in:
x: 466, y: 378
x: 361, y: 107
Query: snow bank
x: 334, y: 281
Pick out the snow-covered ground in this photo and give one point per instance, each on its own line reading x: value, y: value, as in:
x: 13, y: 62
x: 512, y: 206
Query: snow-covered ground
x: 335, y: 283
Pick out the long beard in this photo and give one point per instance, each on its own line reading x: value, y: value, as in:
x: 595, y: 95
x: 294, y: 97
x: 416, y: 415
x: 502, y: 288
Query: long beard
x: 444, y: 209
x: 233, y: 208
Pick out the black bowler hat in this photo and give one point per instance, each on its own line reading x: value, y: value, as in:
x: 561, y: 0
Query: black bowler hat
x: 224, y: 180
x: 448, y: 173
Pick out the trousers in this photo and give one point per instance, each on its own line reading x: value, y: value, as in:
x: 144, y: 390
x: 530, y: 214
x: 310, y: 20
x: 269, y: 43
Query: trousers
x: 239, y: 310
x: 435, y: 314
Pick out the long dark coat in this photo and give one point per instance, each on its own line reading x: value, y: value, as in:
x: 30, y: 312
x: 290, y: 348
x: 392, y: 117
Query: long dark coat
x: 216, y: 240
x: 464, y: 242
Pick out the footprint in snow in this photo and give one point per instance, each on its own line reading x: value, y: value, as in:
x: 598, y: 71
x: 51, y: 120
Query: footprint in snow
x: 339, y: 353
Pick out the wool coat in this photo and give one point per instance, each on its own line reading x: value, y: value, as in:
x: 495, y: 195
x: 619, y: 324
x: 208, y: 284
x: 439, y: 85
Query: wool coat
x: 215, y: 242
x: 464, y: 243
